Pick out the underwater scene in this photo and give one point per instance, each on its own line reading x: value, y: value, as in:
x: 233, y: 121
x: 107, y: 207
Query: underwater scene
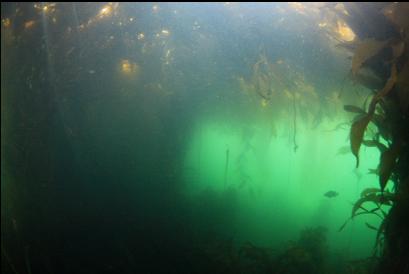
x: 265, y: 138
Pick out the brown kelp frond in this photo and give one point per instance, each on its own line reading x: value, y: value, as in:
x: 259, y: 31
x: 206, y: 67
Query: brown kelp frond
x: 375, y: 196
x: 366, y: 50
x: 385, y: 53
x: 387, y: 164
x: 354, y: 109
x: 389, y: 84
x: 375, y: 143
x: 357, y: 214
x: 357, y: 134
x: 371, y: 195
x: 358, y: 204
x: 378, y: 195
x: 369, y: 191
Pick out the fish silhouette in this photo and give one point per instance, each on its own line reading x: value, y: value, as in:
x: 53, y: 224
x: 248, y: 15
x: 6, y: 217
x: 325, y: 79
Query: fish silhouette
x: 331, y: 194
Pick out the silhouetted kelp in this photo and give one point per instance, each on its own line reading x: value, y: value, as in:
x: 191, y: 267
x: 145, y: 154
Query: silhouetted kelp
x: 384, y: 51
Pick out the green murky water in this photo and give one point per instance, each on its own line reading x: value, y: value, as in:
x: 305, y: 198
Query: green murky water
x: 139, y: 134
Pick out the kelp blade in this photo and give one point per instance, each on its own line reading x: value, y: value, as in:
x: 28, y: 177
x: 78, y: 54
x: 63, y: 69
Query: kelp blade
x: 388, y: 161
x: 357, y: 133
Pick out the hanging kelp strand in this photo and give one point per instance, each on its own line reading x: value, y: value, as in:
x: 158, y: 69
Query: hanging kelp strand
x: 226, y: 168
x: 295, y: 125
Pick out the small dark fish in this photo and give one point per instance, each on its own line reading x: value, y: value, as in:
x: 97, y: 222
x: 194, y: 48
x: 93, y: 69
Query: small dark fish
x: 331, y: 194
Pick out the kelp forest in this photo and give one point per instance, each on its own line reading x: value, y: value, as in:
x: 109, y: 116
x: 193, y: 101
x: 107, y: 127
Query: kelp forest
x: 261, y: 138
